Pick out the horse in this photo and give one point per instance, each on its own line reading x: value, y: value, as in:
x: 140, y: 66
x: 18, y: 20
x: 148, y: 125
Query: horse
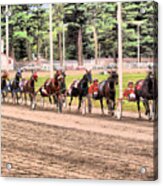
x: 28, y: 87
x: 15, y: 86
x: 54, y: 88
x: 147, y: 90
x: 80, y: 88
x: 5, y: 85
x: 107, y: 90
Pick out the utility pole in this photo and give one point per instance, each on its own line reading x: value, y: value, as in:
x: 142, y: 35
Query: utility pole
x: 138, y: 50
x: 120, y: 57
x: 51, y: 40
x: 63, y: 37
x: 7, y: 38
x: 120, y: 61
x: 0, y: 39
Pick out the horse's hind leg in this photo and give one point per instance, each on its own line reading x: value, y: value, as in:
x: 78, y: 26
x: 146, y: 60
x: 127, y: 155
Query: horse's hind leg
x: 17, y: 98
x: 25, y: 98
x: 138, y: 106
x: 89, y: 104
x: 50, y: 100
x: 102, y: 106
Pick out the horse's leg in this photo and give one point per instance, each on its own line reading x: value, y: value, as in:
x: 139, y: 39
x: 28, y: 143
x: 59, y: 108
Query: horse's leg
x: 138, y: 106
x: 31, y: 100
x: 25, y: 98
x: 21, y: 97
x: 13, y: 96
x: 102, y: 106
x: 84, y: 106
x: 71, y: 99
x: 42, y: 98
x: 60, y: 103
x: 80, y: 101
x: 149, y: 109
x: 17, y: 98
x: 89, y: 103
x: 111, y: 106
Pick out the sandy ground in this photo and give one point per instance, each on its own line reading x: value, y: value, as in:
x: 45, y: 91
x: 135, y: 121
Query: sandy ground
x: 44, y: 143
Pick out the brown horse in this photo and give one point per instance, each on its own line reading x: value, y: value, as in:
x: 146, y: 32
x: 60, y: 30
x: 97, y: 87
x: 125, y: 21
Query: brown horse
x: 54, y: 88
x: 107, y: 90
x: 28, y: 87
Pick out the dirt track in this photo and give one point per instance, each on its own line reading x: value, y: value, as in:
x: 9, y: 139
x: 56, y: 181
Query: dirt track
x: 47, y: 144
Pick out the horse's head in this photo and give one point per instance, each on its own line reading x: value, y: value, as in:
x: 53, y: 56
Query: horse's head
x: 114, y: 76
x: 88, y: 76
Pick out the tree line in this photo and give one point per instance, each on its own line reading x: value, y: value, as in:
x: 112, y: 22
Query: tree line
x: 90, y: 30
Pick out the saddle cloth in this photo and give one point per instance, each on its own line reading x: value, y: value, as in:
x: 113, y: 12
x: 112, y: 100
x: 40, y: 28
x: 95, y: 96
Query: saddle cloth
x: 139, y: 85
x: 73, y: 85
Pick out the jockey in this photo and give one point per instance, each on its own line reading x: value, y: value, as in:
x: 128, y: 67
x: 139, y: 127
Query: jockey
x: 4, y: 79
x: 61, y: 82
x: 18, y: 76
x: 130, y: 91
x: 93, y: 89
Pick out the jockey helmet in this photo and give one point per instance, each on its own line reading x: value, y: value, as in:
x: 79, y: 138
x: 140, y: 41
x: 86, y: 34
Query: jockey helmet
x: 95, y: 80
x: 130, y: 83
x: 35, y: 76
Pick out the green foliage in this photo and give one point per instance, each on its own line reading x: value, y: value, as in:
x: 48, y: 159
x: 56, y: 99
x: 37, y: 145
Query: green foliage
x: 29, y: 29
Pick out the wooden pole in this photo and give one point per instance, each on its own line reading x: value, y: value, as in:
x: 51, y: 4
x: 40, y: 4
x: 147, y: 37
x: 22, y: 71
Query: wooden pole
x: 7, y: 38
x: 51, y: 40
x: 63, y: 35
x: 120, y: 57
x: 138, y: 27
x: 0, y: 39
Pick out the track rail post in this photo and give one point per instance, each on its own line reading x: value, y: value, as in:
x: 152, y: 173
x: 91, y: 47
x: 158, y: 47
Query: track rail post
x: 120, y: 60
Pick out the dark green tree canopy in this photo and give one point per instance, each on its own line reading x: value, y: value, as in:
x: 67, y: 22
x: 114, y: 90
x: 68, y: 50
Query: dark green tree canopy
x: 97, y: 22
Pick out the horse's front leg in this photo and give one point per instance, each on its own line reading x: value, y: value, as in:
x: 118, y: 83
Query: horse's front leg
x: 149, y: 106
x: 102, y: 106
x: 17, y: 98
x: 50, y: 101
x: 80, y: 101
x: 25, y: 98
x: 13, y: 97
x: 111, y: 106
x: 89, y: 103
x: 33, y: 101
x: 71, y: 99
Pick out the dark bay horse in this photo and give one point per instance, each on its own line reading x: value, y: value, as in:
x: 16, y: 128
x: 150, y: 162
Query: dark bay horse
x: 107, y: 90
x: 5, y: 85
x: 54, y: 88
x: 80, y: 88
x: 28, y: 87
x: 147, y: 90
x: 15, y: 86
